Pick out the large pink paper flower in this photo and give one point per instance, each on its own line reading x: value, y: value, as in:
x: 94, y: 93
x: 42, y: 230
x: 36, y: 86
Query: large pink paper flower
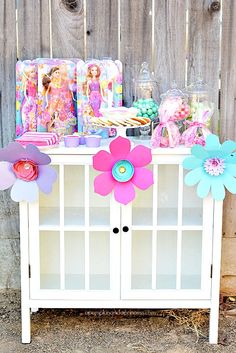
x: 122, y: 169
x: 26, y: 170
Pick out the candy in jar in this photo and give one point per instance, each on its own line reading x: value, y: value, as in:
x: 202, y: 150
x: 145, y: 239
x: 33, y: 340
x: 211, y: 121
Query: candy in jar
x: 202, y: 110
x: 177, y: 101
x: 166, y: 134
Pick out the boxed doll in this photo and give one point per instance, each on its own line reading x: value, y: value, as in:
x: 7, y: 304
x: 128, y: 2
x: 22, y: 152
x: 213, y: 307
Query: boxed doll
x: 99, y: 85
x: 56, y: 96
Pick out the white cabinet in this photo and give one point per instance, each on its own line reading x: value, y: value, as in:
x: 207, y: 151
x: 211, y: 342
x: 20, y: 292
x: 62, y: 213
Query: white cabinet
x: 84, y: 250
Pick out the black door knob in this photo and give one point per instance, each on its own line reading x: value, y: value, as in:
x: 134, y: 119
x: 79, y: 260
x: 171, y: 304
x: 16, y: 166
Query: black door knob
x: 115, y: 230
x: 125, y: 229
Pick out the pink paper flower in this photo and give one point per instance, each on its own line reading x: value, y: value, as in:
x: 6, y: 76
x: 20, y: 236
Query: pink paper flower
x: 26, y: 170
x: 122, y: 169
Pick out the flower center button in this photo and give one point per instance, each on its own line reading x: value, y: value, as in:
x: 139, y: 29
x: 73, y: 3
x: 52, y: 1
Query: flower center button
x: 123, y: 171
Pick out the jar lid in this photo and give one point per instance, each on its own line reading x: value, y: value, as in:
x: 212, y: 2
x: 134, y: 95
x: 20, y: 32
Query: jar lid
x: 174, y: 92
x: 198, y: 87
x: 145, y: 74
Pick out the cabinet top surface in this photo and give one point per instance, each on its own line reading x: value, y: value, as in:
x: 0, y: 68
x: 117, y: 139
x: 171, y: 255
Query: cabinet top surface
x: 83, y: 150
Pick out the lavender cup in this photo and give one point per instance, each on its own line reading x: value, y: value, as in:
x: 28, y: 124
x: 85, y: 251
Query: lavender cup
x: 71, y: 141
x: 82, y: 140
x: 93, y: 140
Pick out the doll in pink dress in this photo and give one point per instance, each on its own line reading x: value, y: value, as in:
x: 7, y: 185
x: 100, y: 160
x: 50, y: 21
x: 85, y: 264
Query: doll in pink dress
x: 59, y: 99
x: 29, y: 109
x: 93, y: 89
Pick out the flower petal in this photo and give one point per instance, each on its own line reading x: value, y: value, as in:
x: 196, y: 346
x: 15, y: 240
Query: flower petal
x: 103, y: 161
x: 24, y: 191
x: 212, y: 142
x: 204, y: 186
x: 35, y: 155
x: 12, y: 152
x: 143, y: 178
x: 199, y: 152
x: 192, y: 162
x: 120, y: 147
x: 104, y: 183
x: 217, y: 189
x: 193, y: 177
x: 231, y: 159
x: 47, y: 176
x: 140, y: 156
x: 124, y: 192
x: 229, y: 183
x: 228, y: 147
x: 7, y: 177
x: 231, y: 169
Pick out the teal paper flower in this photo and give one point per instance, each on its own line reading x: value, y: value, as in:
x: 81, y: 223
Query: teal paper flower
x: 213, y: 167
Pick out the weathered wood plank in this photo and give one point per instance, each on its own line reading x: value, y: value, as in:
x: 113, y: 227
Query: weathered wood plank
x: 228, y: 131
x: 229, y: 222
x: 9, y: 246
x: 102, y: 30
x: 67, y: 29
x: 7, y: 70
x: 204, y: 49
x: 136, y: 41
x: 33, y: 29
x: 228, y: 285
x: 228, y: 70
x: 169, y: 43
x: 228, y: 265
x: 9, y: 263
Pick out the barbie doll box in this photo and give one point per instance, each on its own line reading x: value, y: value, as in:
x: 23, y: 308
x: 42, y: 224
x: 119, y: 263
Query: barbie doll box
x: 46, y: 96
x: 99, y: 85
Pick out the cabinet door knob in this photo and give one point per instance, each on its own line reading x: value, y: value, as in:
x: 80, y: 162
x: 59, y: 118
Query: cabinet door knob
x: 125, y: 229
x: 116, y: 230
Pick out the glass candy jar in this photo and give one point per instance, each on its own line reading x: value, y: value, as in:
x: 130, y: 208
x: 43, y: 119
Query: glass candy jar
x: 145, y: 88
x: 199, y: 101
x: 175, y: 103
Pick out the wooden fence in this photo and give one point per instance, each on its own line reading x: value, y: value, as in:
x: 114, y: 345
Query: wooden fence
x: 180, y: 39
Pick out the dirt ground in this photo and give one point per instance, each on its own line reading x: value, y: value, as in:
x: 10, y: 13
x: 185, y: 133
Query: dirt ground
x: 76, y: 331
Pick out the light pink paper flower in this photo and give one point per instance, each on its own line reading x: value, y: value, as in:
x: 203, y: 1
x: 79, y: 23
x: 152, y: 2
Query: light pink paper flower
x: 122, y: 169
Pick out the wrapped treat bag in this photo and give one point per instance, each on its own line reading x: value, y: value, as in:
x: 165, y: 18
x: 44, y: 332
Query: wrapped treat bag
x: 202, y: 110
x: 197, y: 130
x: 166, y: 134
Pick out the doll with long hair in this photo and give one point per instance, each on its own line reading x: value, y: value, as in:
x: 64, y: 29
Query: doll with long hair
x: 29, y: 109
x: 94, y: 90
x: 59, y: 98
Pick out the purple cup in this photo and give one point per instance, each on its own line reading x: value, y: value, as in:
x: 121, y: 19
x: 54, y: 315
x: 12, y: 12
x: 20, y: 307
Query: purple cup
x: 93, y: 140
x: 71, y: 141
x: 82, y: 140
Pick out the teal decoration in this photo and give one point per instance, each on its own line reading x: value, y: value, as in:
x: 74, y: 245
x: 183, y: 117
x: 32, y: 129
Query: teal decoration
x: 212, y: 167
x: 148, y: 108
x: 123, y: 171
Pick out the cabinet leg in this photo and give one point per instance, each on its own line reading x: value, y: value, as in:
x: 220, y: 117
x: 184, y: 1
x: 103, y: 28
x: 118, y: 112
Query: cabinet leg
x: 213, y: 329
x: 25, y: 323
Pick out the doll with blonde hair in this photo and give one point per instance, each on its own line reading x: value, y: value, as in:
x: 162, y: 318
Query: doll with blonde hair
x: 29, y: 109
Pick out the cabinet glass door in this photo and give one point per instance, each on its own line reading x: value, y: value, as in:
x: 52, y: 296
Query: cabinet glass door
x: 74, y: 252
x: 166, y: 254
